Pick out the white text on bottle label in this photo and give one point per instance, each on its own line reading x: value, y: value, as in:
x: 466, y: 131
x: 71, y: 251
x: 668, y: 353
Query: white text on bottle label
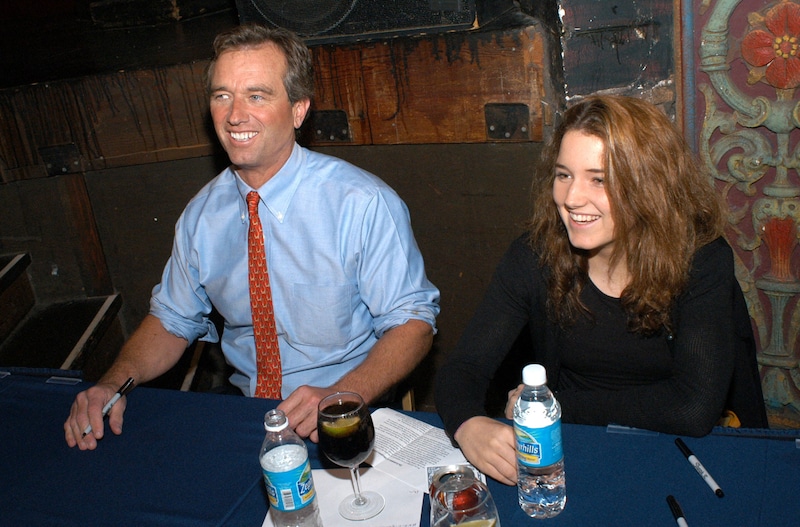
x: 539, y: 447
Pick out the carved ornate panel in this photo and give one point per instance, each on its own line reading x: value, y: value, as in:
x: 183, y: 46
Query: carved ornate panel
x: 748, y: 74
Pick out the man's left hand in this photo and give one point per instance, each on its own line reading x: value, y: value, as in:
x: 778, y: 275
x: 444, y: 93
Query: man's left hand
x: 301, y: 409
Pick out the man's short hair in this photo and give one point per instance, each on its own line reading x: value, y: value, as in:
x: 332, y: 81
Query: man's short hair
x: 299, y: 78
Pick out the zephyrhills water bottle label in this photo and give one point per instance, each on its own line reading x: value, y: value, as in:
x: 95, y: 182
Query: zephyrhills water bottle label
x: 290, y: 490
x: 539, y: 447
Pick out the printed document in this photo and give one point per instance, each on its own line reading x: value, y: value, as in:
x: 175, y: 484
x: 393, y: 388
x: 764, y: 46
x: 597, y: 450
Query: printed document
x: 405, y: 446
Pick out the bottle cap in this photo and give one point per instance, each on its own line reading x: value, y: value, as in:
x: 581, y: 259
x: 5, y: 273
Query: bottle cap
x: 275, y: 421
x: 534, y: 375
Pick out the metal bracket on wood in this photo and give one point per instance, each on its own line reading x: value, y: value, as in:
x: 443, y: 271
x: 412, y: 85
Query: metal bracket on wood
x: 61, y: 159
x: 330, y: 126
x: 507, y: 121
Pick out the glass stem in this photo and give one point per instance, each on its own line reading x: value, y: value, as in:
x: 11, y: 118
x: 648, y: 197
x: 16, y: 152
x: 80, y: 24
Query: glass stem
x: 354, y: 475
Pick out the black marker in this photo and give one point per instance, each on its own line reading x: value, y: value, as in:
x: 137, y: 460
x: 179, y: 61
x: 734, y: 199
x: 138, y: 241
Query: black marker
x: 677, y: 512
x: 125, y: 388
x: 699, y: 467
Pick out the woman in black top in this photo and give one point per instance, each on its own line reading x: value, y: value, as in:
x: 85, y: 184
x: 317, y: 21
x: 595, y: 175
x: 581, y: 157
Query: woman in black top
x: 623, y: 280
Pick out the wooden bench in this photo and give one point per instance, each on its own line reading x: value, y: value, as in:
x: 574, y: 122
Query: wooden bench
x: 82, y: 334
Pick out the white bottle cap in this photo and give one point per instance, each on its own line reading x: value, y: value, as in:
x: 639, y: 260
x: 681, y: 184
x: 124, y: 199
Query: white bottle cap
x: 534, y: 375
x: 275, y: 421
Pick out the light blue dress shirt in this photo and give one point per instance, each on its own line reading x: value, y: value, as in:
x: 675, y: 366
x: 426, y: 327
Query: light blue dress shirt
x: 343, y: 263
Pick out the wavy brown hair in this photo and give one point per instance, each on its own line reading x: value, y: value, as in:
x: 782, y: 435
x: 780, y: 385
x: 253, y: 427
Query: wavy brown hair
x: 664, y: 209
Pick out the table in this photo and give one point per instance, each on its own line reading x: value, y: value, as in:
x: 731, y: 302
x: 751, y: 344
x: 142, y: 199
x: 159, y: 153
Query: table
x: 191, y: 459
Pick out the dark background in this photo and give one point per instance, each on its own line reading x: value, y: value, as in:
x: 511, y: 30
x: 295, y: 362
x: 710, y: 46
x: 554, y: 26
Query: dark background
x: 467, y: 201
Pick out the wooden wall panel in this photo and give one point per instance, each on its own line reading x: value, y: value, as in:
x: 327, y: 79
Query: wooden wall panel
x: 150, y: 115
x: 339, y: 85
x: 122, y: 119
x: 432, y: 89
x: 422, y: 89
x: 437, y: 92
x: 86, y: 241
x: 625, y: 47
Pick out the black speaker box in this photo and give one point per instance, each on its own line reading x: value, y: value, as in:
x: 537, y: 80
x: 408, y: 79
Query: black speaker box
x: 324, y: 21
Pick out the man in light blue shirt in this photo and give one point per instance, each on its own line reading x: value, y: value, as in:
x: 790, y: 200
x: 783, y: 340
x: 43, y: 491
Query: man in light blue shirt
x: 353, y: 307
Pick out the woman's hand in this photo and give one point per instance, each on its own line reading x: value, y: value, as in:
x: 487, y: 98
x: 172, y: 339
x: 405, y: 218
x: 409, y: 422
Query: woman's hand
x: 513, y: 395
x: 491, y: 446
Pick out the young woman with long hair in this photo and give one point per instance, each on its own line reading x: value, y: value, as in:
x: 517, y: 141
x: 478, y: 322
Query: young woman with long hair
x: 624, y: 282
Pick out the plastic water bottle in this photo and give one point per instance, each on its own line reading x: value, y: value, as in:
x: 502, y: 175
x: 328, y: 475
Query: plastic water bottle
x: 287, y: 475
x: 541, y: 485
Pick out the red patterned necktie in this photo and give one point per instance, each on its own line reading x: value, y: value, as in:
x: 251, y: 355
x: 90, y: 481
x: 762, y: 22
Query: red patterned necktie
x: 268, y: 356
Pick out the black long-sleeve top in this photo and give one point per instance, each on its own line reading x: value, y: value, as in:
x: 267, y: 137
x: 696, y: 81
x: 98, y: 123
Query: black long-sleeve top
x: 601, y: 373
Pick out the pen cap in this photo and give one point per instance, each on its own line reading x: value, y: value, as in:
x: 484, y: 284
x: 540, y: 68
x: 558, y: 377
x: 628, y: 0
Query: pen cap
x: 534, y: 375
x: 275, y: 421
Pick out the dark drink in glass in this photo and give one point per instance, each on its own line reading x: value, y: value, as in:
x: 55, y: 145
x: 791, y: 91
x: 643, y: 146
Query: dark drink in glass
x: 346, y: 437
x: 347, y: 441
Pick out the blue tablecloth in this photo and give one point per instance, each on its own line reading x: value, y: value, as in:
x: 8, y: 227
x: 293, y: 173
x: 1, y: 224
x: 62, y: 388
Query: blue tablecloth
x: 191, y: 459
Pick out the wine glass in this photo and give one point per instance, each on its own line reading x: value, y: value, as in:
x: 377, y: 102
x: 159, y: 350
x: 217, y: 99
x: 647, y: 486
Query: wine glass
x: 346, y: 436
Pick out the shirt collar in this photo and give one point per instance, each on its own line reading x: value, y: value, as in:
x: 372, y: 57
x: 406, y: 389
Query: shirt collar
x: 277, y: 193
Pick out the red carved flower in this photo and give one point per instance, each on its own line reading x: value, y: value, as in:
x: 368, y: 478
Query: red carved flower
x: 775, y: 46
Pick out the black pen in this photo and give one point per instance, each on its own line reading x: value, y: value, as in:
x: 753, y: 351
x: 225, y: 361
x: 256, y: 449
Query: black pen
x: 125, y: 388
x: 677, y: 512
x: 699, y: 467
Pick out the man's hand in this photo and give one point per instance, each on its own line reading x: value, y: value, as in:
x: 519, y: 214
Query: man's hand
x: 149, y: 352
x: 490, y: 446
x: 301, y: 409
x: 389, y: 361
x: 88, y: 409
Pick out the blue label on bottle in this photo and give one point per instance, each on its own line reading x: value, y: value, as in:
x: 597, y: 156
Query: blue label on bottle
x: 539, y: 447
x: 290, y: 490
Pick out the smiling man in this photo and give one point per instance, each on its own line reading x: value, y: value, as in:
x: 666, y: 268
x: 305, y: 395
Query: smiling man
x: 352, y: 308
x: 254, y: 116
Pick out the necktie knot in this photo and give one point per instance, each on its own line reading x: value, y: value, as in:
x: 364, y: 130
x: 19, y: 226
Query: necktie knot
x: 252, y: 203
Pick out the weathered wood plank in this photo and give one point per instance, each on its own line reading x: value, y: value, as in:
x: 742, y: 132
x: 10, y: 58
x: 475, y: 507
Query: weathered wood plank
x: 16, y: 294
x: 433, y: 90
x: 89, y: 251
x: 146, y: 115
x: 624, y: 46
x: 339, y: 85
x: 422, y: 89
x: 126, y: 13
x: 119, y: 119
